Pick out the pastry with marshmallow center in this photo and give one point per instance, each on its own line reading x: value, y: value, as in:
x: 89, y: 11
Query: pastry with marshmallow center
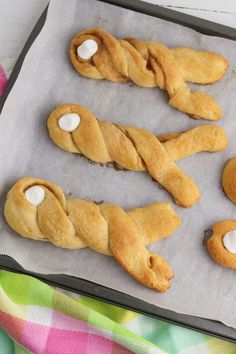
x: 222, y: 243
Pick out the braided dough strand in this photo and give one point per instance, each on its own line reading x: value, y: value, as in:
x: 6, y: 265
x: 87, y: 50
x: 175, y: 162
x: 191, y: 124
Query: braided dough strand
x: 128, y: 250
x: 137, y: 149
x: 151, y: 64
x: 200, y: 67
x: 130, y: 147
x: 162, y: 168
x: 106, y: 228
x: 203, y: 138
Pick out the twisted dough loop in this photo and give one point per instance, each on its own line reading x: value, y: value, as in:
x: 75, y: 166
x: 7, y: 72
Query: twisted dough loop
x: 106, y: 228
x: 151, y: 64
x: 130, y: 147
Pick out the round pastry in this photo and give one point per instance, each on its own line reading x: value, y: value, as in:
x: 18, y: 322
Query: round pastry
x: 229, y: 179
x: 221, y: 243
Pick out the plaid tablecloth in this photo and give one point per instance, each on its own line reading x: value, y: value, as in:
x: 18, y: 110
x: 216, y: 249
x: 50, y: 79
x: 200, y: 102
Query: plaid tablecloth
x: 39, y: 319
x: 36, y: 318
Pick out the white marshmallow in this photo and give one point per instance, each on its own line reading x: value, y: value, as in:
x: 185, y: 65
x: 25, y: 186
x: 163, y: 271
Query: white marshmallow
x: 35, y: 195
x: 229, y: 241
x: 69, y: 122
x: 87, y: 49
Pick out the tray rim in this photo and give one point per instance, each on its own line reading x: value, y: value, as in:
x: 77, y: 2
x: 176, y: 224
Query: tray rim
x: 88, y: 288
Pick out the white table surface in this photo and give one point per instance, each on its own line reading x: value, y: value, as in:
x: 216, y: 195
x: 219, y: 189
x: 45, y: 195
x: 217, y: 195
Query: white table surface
x: 18, y: 17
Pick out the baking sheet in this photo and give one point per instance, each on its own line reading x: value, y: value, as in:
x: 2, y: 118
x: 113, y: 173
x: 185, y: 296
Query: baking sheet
x: 200, y: 286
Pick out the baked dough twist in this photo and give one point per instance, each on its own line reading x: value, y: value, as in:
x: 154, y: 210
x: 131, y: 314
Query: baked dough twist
x: 105, y: 228
x: 130, y: 147
x: 151, y: 64
x: 229, y: 179
x: 137, y: 149
x: 215, y: 243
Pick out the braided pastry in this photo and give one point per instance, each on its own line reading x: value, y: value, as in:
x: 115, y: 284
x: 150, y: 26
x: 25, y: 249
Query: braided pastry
x: 38, y: 209
x: 97, y: 54
x: 134, y: 148
x: 221, y: 243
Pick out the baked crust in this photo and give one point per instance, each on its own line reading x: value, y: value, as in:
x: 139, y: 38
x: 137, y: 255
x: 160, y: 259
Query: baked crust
x: 151, y: 64
x: 105, y: 228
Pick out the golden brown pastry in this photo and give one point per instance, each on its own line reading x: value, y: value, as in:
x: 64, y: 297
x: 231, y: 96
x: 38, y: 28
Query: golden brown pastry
x: 200, y: 67
x: 222, y: 243
x: 75, y: 129
x: 229, y: 179
x: 38, y: 209
x: 209, y: 138
x: 97, y: 54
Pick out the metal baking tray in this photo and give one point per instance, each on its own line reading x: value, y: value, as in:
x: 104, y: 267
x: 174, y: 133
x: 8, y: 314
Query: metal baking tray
x: 86, y: 287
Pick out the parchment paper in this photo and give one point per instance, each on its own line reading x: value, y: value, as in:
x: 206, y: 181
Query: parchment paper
x: 47, y: 79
